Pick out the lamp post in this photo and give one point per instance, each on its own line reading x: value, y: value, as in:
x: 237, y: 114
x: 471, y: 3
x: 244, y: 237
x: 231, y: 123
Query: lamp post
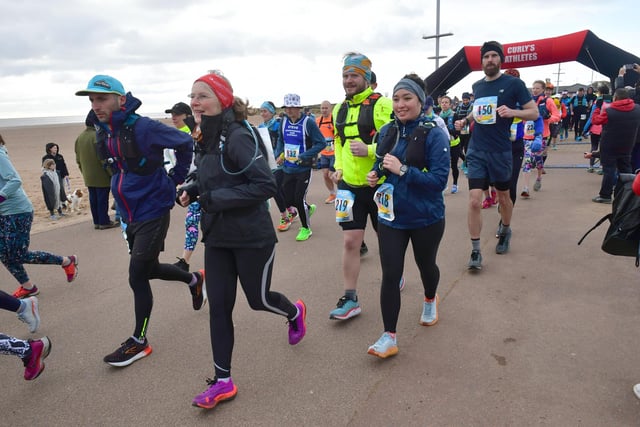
x: 437, y: 36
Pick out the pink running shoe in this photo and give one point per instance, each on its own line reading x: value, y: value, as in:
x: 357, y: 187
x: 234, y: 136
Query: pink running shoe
x: 34, y: 364
x: 218, y: 391
x: 298, y: 326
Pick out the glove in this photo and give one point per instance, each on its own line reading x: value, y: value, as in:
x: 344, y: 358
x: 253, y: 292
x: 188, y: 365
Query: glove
x: 536, y: 144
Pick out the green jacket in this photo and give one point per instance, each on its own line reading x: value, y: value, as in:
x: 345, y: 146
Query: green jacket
x: 93, y: 172
x: 355, y: 169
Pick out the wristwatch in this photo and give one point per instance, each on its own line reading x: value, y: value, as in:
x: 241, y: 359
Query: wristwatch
x: 403, y: 170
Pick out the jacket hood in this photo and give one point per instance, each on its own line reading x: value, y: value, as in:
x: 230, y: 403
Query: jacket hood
x: 623, y: 104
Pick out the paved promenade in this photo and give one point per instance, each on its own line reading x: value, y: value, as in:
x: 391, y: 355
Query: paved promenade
x: 547, y: 334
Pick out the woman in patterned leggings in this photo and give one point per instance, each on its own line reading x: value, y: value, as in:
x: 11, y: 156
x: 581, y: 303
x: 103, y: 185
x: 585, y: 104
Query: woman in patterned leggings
x: 16, y: 216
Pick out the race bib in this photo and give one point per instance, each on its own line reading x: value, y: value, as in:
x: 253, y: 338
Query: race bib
x: 344, y: 205
x: 484, y: 110
x: 291, y: 152
x: 529, y: 129
x: 329, y: 144
x: 513, y: 132
x: 583, y: 117
x: 384, y: 199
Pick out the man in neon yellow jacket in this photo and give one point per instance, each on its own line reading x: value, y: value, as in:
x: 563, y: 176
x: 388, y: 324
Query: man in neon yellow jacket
x: 356, y: 121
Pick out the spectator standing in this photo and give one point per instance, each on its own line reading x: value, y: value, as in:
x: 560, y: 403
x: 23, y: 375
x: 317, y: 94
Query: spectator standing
x: 620, y: 122
x: 95, y: 175
x: 53, y: 152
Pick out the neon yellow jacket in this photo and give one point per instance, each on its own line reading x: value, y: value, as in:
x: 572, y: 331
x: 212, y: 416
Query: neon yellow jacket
x: 355, y: 169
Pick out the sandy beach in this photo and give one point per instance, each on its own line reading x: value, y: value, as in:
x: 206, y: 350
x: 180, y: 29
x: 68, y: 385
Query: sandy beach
x: 26, y: 146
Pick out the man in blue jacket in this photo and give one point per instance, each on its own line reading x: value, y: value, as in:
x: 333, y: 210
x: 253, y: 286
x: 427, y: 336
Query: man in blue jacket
x: 145, y: 193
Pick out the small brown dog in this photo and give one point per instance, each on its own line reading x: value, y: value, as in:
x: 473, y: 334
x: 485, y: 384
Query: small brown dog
x: 75, y: 200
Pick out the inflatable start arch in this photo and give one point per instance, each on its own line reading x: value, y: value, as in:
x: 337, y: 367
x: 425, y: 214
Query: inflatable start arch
x: 583, y: 47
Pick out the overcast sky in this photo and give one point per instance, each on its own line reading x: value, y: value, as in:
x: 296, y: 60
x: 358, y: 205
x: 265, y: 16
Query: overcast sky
x: 157, y: 48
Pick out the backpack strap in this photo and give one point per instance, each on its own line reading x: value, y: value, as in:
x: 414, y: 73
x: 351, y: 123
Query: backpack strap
x: 365, y: 123
x: 598, y: 224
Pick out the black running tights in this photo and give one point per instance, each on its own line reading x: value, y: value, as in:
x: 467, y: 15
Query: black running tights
x: 393, y: 247
x: 252, y: 267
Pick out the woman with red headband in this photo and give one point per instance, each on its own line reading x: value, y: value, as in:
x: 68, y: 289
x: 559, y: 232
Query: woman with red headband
x: 233, y: 184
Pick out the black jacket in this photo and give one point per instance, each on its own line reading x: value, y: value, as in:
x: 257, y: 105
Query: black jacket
x: 233, y: 184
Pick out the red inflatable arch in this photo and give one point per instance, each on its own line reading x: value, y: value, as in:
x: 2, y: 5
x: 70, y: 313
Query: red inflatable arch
x: 583, y: 47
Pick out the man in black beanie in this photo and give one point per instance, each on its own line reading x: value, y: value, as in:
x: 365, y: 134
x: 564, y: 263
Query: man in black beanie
x: 498, y: 99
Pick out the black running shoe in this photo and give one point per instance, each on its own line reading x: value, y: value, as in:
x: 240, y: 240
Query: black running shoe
x: 363, y: 248
x: 182, y: 264
x: 129, y: 352
x: 197, y: 295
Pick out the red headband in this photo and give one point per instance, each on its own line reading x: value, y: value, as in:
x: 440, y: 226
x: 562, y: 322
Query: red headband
x: 221, y: 88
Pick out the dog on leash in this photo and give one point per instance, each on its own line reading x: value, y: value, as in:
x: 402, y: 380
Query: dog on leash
x: 75, y: 200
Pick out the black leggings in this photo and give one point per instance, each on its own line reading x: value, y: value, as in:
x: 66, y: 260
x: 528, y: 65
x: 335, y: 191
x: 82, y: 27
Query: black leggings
x: 295, y: 186
x: 140, y: 272
x: 456, y: 153
x: 393, y: 244
x: 517, y: 151
x: 595, y: 142
x: 279, y: 196
x: 253, y: 267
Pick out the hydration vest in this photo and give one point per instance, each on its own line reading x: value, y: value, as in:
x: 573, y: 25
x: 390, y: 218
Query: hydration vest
x: 365, y: 123
x: 414, y: 155
x: 132, y: 159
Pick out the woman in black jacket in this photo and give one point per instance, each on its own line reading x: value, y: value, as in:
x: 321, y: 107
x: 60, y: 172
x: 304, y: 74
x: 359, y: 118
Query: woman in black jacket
x: 233, y: 184
x: 53, y: 152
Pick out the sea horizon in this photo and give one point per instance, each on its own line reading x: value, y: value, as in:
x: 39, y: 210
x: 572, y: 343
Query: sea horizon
x: 55, y: 120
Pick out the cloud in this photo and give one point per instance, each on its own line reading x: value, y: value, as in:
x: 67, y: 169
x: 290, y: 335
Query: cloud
x: 158, y: 47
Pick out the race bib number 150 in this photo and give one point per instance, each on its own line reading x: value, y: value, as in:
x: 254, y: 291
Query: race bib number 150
x: 484, y: 110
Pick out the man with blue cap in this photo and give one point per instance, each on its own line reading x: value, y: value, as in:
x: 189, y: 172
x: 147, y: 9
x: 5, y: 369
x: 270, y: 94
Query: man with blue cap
x: 145, y: 193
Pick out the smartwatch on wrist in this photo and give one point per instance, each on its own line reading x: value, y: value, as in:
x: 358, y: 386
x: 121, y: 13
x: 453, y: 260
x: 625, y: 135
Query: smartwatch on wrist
x: 403, y: 170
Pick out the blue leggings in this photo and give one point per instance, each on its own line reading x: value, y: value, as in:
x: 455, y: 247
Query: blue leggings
x: 191, y: 224
x: 15, y: 235
x: 15, y: 346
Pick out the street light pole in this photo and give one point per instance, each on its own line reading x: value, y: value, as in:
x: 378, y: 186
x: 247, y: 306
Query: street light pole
x: 437, y: 36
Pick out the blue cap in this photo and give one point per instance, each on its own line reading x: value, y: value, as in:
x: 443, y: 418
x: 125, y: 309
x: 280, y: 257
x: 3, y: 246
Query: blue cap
x: 102, y: 84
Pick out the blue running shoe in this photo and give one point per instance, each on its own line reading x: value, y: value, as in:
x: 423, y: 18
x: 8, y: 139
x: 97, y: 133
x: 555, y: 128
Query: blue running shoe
x: 345, y: 309
x: 430, y: 312
x: 385, y: 347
